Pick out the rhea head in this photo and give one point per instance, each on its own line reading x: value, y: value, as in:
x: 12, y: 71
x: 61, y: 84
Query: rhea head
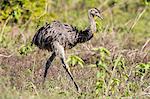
x: 95, y: 12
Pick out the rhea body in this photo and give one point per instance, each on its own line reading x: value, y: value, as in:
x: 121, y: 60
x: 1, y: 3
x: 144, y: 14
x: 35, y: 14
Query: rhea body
x: 57, y: 36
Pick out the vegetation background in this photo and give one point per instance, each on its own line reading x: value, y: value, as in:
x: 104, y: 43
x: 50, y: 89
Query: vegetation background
x: 114, y: 64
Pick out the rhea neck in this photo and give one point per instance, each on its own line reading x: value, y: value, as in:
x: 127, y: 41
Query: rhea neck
x: 87, y: 34
x: 92, y: 22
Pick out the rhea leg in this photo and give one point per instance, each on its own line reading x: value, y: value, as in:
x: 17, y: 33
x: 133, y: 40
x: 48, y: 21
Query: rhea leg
x: 48, y: 64
x: 69, y: 73
x: 59, y: 50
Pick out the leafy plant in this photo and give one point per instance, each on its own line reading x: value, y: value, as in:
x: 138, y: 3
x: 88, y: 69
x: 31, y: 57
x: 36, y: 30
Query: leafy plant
x: 107, y: 81
x: 103, y: 72
x: 25, y: 49
x: 142, y: 68
x: 74, y: 60
x: 103, y: 52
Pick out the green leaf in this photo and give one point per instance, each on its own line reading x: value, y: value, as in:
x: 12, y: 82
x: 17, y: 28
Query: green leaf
x: 116, y: 81
x: 117, y: 61
x: 98, y: 74
x: 104, y: 50
x: 25, y: 49
x: 73, y: 60
x: 102, y: 64
x: 81, y: 64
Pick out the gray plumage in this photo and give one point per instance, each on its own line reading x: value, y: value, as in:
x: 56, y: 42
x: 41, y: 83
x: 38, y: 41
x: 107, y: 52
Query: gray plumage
x: 57, y: 36
x: 67, y: 36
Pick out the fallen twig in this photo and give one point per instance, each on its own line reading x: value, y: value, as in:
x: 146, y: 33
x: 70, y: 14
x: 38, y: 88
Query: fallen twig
x: 147, y: 43
x: 2, y: 55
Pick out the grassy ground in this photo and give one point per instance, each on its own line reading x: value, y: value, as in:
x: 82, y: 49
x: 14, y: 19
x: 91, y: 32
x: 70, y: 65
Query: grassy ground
x: 114, y: 64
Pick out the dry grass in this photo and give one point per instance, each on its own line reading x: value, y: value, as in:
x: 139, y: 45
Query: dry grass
x: 23, y: 74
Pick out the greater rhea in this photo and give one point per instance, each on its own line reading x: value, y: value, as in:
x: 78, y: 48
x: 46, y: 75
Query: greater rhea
x: 57, y: 36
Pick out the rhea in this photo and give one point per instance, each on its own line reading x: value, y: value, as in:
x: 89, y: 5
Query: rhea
x: 57, y: 36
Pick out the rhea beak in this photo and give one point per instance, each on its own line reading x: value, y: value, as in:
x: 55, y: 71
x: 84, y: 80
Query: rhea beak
x: 100, y: 16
